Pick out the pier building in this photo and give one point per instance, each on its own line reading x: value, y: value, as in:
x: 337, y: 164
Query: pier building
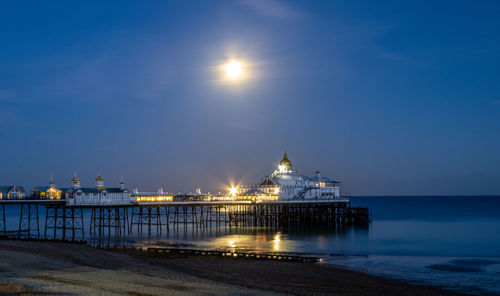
x: 48, y: 192
x: 144, y: 197
x: 286, y: 184
x: 194, y: 196
x: 12, y: 192
x: 98, y: 195
x: 283, y: 184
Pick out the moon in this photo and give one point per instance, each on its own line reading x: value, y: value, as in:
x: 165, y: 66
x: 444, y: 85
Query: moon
x: 233, y: 69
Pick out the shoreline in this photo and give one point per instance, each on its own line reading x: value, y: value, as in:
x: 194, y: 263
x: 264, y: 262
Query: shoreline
x: 45, y: 268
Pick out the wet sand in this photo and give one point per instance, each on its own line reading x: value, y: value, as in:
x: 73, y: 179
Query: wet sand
x: 49, y: 268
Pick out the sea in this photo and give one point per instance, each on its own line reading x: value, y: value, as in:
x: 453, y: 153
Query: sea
x: 451, y: 242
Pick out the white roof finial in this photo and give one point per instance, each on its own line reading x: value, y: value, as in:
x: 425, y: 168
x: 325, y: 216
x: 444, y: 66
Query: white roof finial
x: 51, y: 183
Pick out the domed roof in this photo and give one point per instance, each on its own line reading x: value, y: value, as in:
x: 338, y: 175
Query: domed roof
x: 285, y: 161
x: 99, y: 178
x: 75, y: 179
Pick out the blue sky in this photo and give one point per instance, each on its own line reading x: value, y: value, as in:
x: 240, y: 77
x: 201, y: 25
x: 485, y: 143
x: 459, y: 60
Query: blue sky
x: 390, y: 97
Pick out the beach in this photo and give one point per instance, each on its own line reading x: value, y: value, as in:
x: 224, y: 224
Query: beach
x: 56, y: 268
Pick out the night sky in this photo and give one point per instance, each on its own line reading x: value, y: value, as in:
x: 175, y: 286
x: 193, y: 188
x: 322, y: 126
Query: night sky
x: 389, y: 97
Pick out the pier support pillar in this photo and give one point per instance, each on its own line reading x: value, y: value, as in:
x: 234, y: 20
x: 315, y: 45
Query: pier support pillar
x: 64, y: 221
x: 109, y: 220
x: 28, y: 220
x: 3, y: 223
x: 149, y: 216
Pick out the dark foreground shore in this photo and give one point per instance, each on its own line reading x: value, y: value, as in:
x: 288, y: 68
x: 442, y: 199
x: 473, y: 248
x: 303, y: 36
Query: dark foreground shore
x: 49, y: 268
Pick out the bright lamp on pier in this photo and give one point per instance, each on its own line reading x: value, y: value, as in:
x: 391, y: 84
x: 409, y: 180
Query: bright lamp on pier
x: 276, y: 190
x: 233, y: 190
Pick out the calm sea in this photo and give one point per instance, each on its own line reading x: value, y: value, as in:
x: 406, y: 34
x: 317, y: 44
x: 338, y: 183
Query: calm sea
x: 448, y: 241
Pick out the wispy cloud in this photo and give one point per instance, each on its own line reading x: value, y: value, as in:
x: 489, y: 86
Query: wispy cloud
x: 272, y: 9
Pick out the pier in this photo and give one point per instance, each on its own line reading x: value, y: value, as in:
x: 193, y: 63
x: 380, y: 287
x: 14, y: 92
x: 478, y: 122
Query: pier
x: 282, y: 200
x: 72, y: 222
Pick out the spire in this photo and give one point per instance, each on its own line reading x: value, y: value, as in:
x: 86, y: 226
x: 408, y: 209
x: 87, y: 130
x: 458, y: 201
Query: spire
x: 99, y: 182
x: 285, y: 161
x: 75, y: 182
x: 122, y: 184
x: 75, y: 179
x: 52, y: 183
x: 285, y: 165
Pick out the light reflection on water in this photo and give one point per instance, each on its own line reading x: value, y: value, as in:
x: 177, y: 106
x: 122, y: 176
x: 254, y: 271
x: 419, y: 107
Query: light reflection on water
x: 305, y: 241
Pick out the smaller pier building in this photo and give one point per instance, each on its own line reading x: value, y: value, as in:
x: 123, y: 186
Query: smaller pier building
x: 98, y: 195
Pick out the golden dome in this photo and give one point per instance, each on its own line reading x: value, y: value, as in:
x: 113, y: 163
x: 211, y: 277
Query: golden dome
x: 75, y: 179
x: 285, y: 161
x: 99, y: 178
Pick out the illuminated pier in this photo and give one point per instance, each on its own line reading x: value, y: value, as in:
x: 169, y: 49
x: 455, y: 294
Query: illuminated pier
x: 283, y: 199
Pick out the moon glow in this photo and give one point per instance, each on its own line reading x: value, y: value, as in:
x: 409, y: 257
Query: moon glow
x: 233, y: 69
